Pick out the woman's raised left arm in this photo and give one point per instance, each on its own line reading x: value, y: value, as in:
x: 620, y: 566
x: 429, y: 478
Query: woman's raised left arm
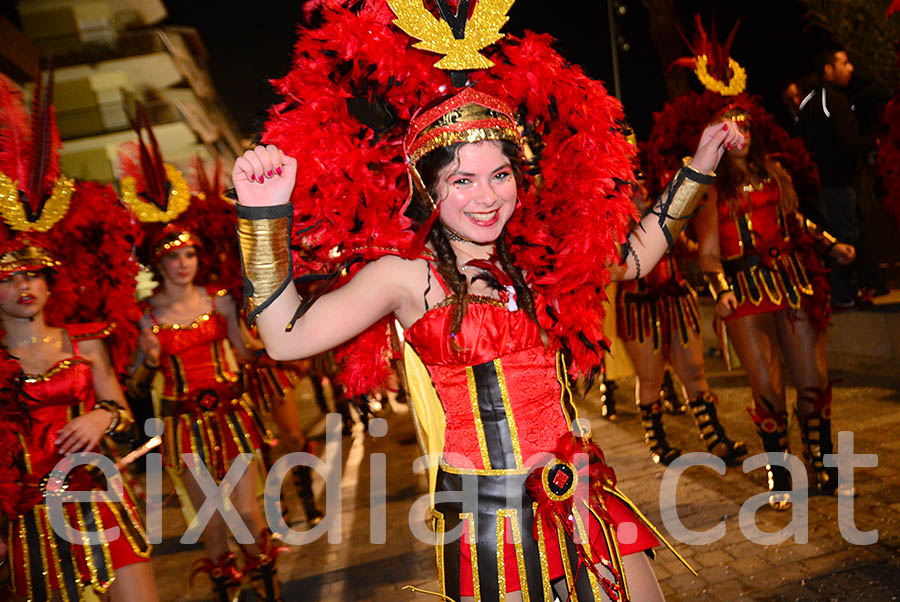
x: 658, y: 230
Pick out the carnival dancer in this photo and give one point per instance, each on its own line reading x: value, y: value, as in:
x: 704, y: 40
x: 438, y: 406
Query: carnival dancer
x: 760, y: 275
x: 187, y: 334
x: 479, y: 286
x: 758, y: 256
x: 60, y: 393
x: 659, y: 320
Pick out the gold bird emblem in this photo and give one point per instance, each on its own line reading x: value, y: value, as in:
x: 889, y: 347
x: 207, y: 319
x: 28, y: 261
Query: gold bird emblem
x: 461, y: 52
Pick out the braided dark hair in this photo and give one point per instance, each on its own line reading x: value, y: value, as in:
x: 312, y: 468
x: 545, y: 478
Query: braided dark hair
x: 419, y: 209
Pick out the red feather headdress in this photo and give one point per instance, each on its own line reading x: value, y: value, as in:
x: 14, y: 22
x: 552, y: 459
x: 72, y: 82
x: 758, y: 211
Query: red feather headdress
x: 88, y: 239
x: 712, y: 63
x: 171, y: 216
x: 356, y: 84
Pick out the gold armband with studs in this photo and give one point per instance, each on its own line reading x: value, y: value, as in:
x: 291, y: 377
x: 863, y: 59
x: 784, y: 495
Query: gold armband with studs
x: 265, y: 255
x: 718, y: 283
x: 680, y: 199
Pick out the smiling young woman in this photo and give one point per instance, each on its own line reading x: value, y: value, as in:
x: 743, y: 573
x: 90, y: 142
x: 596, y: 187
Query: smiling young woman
x: 474, y: 335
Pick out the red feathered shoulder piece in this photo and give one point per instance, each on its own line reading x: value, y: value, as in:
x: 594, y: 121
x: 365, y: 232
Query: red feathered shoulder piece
x: 355, y: 84
x: 13, y: 421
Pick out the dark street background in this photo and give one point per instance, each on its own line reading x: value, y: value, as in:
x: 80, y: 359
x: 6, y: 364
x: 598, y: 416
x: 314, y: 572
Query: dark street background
x: 774, y: 42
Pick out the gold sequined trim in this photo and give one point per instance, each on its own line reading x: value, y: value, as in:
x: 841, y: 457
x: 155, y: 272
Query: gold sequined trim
x: 439, y: 526
x: 54, y: 209
x: 469, y: 521
x: 484, y: 472
x: 179, y: 198
x: 513, y: 516
x: 198, y: 321
x: 446, y: 138
x: 542, y: 553
x: 38, y: 515
x: 46, y: 533
x: 567, y: 566
x: 99, y: 334
x: 26, y: 559
x: 59, y: 367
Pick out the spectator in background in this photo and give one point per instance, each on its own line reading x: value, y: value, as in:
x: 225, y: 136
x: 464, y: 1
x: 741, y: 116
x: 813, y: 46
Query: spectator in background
x: 789, y: 113
x: 831, y: 131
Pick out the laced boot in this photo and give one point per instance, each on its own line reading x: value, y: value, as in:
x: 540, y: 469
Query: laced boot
x: 815, y: 431
x: 660, y: 450
x: 772, y: 429
x: 261, y: 569
x: 303, y: 483
x: 223, y: 573
x: 712, y: 433
x: 671, y: 400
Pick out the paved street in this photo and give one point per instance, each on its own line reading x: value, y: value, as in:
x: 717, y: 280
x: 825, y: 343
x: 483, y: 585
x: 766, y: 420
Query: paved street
x: 827, y: 567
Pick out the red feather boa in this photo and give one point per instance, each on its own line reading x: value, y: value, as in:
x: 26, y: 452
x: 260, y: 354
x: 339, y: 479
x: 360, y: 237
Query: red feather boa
x: 13, y: 421
x: 352, y: 183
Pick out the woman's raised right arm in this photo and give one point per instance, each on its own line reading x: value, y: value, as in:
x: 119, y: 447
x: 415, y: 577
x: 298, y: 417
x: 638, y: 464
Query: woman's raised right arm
x: 264, y: 178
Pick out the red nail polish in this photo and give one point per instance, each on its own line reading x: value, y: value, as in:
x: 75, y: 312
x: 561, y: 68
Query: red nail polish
x: 270, y: 174
x: 278, y: 170
x: 725, y: 126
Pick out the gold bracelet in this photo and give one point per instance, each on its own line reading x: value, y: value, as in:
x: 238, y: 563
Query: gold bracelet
x: 265, y: 256
x: 680, y: 199
x: 718, y: 283
x: 120, y: 422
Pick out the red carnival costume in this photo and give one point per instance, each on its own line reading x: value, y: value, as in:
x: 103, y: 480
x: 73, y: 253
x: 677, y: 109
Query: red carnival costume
x: 55, y: 224
x: 490, y: 398
x: 204, y: 410
x: 768, y: 253
x: 199, y: 394
x: 660, y: 307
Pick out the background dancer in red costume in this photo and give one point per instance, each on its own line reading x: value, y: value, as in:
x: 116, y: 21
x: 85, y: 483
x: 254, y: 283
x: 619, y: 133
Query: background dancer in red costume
x: 658, y: 320
x: 60, y: 393
x: 485, y: 300
x: 758, y: 255
x: 758, y: 269
x: 186, y: 335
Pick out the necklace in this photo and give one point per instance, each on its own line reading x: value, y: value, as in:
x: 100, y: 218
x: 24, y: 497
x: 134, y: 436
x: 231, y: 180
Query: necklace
x: 452, y: 235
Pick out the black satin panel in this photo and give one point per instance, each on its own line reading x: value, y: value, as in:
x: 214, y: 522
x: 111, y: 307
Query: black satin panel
x: 67, y: 564
x: 493, y: 416
x: 491, y: 497
x: 90, y: 526
x: 35, y: 562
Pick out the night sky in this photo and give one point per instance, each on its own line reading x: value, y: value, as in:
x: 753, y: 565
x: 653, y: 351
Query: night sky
x: 774, y: 43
